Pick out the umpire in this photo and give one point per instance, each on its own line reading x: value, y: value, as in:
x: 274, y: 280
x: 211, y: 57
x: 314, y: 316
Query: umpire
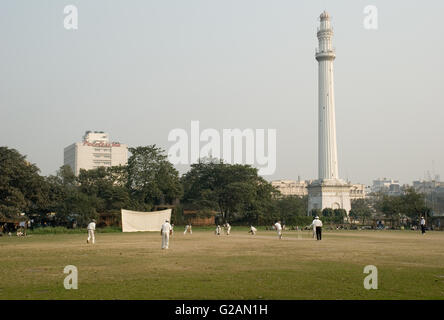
x: 318, y: 225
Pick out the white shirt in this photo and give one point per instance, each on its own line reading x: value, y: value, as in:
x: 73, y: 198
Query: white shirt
x: 316, y: 223
x: 422, y: 222
x: 253, y: 229
x: 278, y: 226
x: 91, y: 226
x: 166, y: 227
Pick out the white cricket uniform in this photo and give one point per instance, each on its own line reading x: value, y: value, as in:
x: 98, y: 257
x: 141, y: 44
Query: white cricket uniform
x: 91, y: 228
x: 188, y: 228
x: 228, y: 228
x: 218, y: 230
x: 166, y: 228
x: 253, y: 230
x: 278, y: 229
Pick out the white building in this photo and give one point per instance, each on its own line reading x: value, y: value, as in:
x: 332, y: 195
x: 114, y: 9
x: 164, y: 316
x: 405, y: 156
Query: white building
x: 95, y: 151
x: 300, y: 188
x: 388, y: 186
x: 291, y: 187
x: 329, y: 191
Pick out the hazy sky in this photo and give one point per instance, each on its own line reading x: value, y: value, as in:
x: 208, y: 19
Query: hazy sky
x: 138, y: 69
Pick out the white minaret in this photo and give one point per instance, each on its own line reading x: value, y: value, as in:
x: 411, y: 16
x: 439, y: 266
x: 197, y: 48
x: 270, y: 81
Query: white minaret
x: 329, y: 191
x: 327, y: 153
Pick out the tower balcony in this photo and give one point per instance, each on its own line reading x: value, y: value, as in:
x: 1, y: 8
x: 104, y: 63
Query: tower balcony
x: 329, y: 54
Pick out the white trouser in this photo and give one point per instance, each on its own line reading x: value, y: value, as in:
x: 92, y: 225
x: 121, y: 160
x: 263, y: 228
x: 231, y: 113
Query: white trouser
x: 279, y: 232
x: 228, y: 230
x: 165, y: 240
x: 91, y: 236
x: 314, y: 232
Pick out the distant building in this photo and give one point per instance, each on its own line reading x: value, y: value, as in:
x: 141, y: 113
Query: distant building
x: 357, y: 191
x: 95, y: 151
x: 424, y: 186
x: 291, y: 187
x: 387, y: 186
x: 299, y: 188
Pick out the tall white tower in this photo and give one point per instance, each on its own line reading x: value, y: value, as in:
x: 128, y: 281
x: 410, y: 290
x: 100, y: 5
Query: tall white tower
x: 328, y: 191
x: 325, y: 54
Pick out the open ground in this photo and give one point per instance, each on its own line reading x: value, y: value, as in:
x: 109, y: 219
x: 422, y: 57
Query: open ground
x: 238, y: 266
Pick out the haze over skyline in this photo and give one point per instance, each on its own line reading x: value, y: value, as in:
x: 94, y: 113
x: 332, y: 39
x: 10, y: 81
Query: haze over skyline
x: 139, y: 69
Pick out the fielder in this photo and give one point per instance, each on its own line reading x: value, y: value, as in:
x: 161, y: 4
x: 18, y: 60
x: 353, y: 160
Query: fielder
x: 253, y: 230
x: 227, y: 228
x: 165, y: 232
x: 188, y: 229
x: 278, y: 228
x: 91, y: 228
x: 218, y: 230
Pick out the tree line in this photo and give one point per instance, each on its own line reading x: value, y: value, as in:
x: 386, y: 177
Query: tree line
x: 235, y: 193
x: 232, y: 192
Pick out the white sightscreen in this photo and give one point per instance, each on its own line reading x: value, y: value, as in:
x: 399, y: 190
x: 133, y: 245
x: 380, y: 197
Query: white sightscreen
x: 133, y: 221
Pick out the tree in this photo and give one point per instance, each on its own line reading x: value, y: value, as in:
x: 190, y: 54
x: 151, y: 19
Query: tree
x: 152, y: 179
x: 22, y: 189
x: 232, y: 190
x: 328, y: 213
x: 413, y: 204
x: 289, y: 209
x: 360, y: 209
x: 339, y: 215
x: 391, y: 206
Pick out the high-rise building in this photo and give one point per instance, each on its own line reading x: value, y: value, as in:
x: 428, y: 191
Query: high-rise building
x: 95, y: 151
x: 328, y: 191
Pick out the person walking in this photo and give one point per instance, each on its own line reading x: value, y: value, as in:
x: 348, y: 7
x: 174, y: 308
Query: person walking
x: 423, y: 225
x: 165, y: 232
x: 317, y: 225
x: 91, y: 229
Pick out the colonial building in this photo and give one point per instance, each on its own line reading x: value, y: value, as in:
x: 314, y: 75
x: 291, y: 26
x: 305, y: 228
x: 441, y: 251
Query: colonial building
x: 291, y: 187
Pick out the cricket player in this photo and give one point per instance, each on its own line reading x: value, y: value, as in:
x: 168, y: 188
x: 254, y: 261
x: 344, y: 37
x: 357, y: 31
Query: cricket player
x: 91, y: 228
x: 253, y: 230
x: 227, y: 228
x: 423, y: 227
x: 188, y: 229
x: 278, y: 228
x: 165, y: 232
x: 218, y: 230
x: 317, y: 225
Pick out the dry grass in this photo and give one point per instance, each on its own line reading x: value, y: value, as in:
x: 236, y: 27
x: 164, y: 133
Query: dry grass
x: 239, y: 266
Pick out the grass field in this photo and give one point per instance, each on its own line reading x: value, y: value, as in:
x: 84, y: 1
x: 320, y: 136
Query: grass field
x: 239, y: 266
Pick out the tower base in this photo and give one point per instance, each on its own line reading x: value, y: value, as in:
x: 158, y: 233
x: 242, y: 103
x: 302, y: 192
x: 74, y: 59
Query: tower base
x: 333, y: 194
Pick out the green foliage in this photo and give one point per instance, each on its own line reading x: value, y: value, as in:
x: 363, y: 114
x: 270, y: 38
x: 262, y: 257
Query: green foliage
x: 235, y: 191
x: 360, y: 210
x: 152, y: 179
x: 22, y: 189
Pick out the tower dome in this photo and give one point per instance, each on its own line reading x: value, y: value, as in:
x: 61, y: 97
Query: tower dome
x: 324, y: 15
